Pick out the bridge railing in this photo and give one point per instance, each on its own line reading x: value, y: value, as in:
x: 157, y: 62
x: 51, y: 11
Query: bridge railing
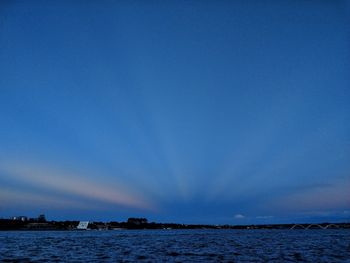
x: 299, y: 226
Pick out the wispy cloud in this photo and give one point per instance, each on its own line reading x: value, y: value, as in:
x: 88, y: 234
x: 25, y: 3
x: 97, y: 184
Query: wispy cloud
x: 72, y: 184
x: 30, y: 199
x: 239, y: 216
x: 331, y: 196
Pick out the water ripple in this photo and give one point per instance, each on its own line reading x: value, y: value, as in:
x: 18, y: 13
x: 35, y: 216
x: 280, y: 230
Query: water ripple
x: 176, y: 246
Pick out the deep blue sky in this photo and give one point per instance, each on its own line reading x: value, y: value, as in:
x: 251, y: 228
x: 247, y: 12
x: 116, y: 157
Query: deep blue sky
x: 189, y: 111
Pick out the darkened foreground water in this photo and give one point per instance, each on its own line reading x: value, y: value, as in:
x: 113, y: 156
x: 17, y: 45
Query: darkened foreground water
x: 176, y: 245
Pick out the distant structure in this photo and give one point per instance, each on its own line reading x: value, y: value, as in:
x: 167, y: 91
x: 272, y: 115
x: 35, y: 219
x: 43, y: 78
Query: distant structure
x: 20, y: 218
x: 137, y: 221
x: 41, y: 218
x: 83, y: 225
x: 314, y: 226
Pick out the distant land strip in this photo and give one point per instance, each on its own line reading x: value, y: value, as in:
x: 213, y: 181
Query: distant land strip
x: 40, y: 223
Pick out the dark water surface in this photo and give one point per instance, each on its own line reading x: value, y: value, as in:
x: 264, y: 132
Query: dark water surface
x: 176, y: 246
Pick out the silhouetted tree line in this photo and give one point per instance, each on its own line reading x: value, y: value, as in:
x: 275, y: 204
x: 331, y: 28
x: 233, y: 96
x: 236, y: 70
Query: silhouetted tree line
x: 40, y: 223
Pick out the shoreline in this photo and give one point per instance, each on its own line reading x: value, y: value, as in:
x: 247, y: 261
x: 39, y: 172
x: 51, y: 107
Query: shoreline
x: 135, y: 224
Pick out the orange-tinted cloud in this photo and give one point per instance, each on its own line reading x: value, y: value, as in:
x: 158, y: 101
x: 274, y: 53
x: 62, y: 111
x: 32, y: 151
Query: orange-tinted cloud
x: 73, y: 184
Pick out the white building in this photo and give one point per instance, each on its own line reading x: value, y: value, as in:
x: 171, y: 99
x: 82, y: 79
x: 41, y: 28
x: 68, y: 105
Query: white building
x: 83, y: 225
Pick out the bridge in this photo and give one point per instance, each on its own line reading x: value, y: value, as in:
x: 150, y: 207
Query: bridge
x: 313, y: 226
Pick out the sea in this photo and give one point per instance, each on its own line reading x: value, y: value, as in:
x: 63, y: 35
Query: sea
x: 219, y: 245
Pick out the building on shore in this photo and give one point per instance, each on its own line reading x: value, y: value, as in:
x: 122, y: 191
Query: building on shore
x: 83, y: 225
x: 20, y: 218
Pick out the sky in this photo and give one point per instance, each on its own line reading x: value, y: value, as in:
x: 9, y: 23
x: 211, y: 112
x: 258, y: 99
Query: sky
x: 220, y: 112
